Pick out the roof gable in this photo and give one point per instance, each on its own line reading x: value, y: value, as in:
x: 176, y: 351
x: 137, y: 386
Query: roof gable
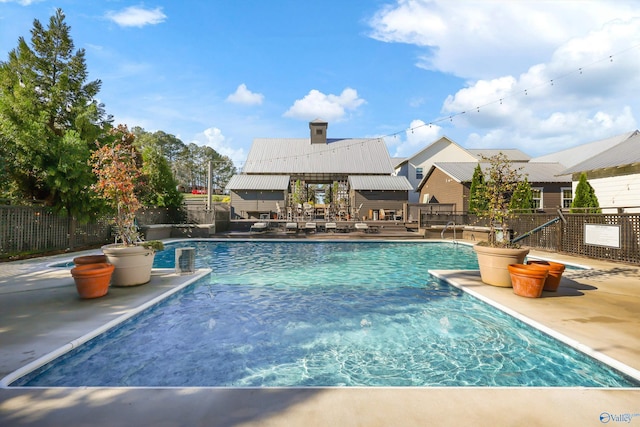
x: 535, y: 172
x: 625, y: 153
x: 438, y: 145
x: 579, y: 154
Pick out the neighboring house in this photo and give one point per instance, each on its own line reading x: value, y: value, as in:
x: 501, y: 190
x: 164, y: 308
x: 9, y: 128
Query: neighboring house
x: 358, y: 173
x: 613, y: 172
x: 414, y: 168
x: 449, y: 183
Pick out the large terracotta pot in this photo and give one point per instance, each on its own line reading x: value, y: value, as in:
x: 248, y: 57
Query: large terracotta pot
x: 528, y: 280
x: 555, y: 274
x: 494, y: 263
x: 92, y: 280
x: 89, y: 259
x: 132, y: 264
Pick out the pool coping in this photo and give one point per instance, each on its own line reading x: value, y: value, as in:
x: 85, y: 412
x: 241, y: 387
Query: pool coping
x: 444, y: 275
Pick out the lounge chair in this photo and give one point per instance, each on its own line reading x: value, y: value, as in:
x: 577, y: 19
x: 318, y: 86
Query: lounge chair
x: 331, y: 226
x: 310, y: 227
x: 259, y: 227
x: 361, y: 226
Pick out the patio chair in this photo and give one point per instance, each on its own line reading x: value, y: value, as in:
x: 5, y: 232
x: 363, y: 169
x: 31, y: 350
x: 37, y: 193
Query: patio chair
x: 356, y: 212
x: 279, y: 211
x: 331, y: 227
x: 310, y: 227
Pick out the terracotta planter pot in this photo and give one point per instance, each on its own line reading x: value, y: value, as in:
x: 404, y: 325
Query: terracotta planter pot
x: 494, y: 262
x: 90, y: 259
x: 555, y: 274
x: 528, y: 280
x: 133, y: 264
x: 92, y: 280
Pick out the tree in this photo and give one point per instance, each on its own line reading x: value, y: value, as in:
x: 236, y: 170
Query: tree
x: 585, y: 200
x: 501, y: 183
x: 116, y: 167
x: 162, y: 186
x: 49, y: 119
x: 477, y: 203
x: 522, y: 198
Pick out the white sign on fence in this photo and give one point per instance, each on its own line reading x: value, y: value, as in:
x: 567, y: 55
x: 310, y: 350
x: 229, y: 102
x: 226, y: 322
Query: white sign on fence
x: 602, y: 235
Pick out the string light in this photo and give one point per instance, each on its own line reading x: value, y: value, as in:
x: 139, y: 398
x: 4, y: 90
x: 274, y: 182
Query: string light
x: 450, y: 118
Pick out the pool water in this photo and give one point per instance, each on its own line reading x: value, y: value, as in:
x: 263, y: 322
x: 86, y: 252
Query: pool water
x: 324, y: 314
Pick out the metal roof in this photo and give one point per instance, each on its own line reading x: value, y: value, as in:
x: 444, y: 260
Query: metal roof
x: 258, y: 182
x: 535, y: 172
x: 575, y: 155
x: 379, y: 182
x: 337, y: 156
x: 625, y: 153
x: 512, y: 154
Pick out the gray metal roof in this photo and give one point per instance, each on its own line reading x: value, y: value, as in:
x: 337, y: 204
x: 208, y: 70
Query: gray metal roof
x: 535, y: 172
x: 299, y: 156
x: 575, y: 155
x: 258, y: 182
x: 625, y: 153
x: 379, y: 182
x: 512, y: 154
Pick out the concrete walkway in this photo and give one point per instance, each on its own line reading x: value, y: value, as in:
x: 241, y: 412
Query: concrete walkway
x: 595, y: 309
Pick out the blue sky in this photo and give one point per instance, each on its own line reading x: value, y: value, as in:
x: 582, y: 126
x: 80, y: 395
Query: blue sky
x: 540, y: 76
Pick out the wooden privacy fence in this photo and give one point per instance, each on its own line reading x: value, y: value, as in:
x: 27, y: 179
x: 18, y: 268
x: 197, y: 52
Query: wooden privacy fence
x: 566, y: 235
x: 33, y: 230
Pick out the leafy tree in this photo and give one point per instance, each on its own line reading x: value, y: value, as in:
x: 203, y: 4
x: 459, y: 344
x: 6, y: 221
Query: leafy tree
x: 162, y: 186
x: 522, y: 198
x: 585, y: 200
x: 477, y: 201
x: 116, y: 166
x: 49, y: 119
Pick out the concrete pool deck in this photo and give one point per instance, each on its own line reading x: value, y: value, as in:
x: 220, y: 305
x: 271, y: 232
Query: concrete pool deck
x: 40, y: 312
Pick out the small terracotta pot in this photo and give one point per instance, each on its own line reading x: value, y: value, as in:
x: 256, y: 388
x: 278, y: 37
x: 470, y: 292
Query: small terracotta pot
x: 90, y: 259
x: 92, y: 280
x: 528, y: 280
x: 555, y: 274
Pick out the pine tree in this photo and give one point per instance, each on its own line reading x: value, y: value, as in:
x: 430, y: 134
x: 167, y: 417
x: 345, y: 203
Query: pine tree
x: 522, y: 198
x: 477, y: 201
x: 49, y: 119
x: 585, y: 199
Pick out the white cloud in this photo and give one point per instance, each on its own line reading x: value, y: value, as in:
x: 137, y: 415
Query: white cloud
x: 482, y: 39
x: 327, y: 107
x: 135, y: 16
x: 21, y: 2
x: 416, y: 137
x: 214, y: 138
x: 244, y: 96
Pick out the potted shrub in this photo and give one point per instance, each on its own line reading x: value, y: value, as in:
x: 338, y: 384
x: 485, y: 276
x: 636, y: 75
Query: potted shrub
x: 495, y: 255
x: 116, y: 169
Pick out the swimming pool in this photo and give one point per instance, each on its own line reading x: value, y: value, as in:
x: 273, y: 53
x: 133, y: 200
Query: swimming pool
x: 324, y: 314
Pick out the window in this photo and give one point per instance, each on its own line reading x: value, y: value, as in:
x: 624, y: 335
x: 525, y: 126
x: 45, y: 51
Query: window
x: 567, y: 197
x: 318, y: 131
x: 418, y: 173
x: 537, y: 197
